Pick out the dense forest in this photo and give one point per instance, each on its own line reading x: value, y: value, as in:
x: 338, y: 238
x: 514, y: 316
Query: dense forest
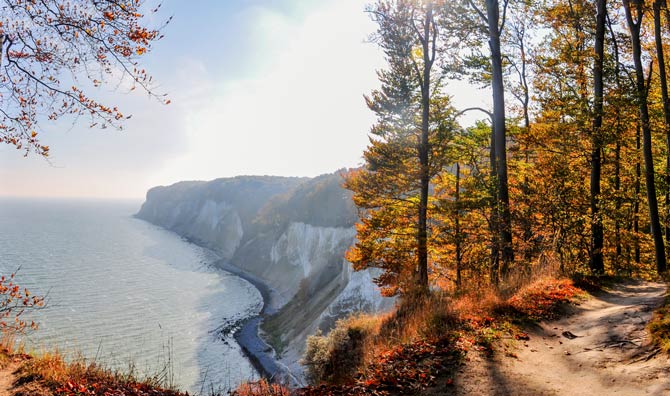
x: 569, y: 170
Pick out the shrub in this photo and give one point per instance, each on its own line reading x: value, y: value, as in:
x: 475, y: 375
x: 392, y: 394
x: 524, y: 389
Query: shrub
x: 659, y: 327
x: 335, y: 357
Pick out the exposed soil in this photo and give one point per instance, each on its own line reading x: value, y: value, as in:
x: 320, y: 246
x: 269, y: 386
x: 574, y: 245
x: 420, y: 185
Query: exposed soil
x: 7, y: 378
x: 602, y: 348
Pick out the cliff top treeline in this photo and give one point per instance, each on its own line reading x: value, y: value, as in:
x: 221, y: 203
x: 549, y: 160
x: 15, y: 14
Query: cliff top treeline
x: 264, y: 201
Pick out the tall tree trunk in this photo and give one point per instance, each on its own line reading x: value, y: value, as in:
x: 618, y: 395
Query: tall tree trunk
x: 503, y: 208
x: 617, y: 203
x: 525, y: 103
x: 596, y: 260
x: 656, y: 231
x: 422, y: 237
x: 457, y: 228
x: 495, y: 220
x: 666, y: 109
x: 617, y: 153
x: 638, y: 188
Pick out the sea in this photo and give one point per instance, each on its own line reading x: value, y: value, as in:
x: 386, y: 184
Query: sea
x: 126, y: 294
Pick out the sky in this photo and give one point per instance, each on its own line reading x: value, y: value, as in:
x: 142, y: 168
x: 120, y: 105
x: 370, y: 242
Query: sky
x: 257, y: 87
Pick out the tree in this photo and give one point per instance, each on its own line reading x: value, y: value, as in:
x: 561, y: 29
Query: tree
x: 468, y: 25
x: 495, y: 27
x: 428, y: 41
x: 634, y: 25
x: 46, y: 48
x: 596, y: 255
x: 658, y: 39
x: 407, y: 148
x: 472, y: 22
x: 463, y: 195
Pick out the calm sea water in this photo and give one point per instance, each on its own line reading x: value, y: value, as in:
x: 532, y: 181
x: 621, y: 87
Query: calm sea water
x: 125, y: 292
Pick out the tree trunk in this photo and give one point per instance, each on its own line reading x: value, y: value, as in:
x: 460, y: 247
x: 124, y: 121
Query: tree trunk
x: 495, y: 220
x: 638, y: 188
x: 654, y: 220
x: 422, y: 234
x: 666, y: 109
x: 617, y: 154
x: 503, y: 208
x: 596, y: 260
x: 457, y: 228
x: 617, y: 204
x: 528, y: 215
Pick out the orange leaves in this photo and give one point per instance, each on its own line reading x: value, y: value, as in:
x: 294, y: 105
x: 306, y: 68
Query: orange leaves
x: 261, y: 388
x: 14, y: 301
x: 405, y: 369
x: 123, y: 50
x: 109, y: 387
x: 541, y: 299
x: 18, y: 54
x: 50, y: 40
x: 142, y: 35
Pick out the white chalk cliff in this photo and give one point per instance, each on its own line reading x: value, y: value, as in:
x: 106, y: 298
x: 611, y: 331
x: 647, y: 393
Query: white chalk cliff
x: 290, y: 233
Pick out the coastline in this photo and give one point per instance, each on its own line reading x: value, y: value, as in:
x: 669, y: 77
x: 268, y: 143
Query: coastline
x: 260, y: 354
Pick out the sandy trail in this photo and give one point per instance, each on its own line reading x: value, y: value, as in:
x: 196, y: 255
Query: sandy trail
x: 611, y: 354
x: 7, y: 377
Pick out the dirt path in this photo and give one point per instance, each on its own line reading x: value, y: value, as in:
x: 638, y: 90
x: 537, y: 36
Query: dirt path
x: 610, y: 354
x: 7, y: 377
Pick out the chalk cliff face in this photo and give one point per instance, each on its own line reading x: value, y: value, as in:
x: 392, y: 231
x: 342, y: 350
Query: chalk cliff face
x: 290, y: 233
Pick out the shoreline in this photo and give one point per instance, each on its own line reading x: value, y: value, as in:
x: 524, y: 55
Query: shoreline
x: 261, y: 355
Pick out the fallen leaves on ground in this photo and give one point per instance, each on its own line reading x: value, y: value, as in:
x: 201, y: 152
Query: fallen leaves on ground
x: 403, y: 370
x: 84, y: 388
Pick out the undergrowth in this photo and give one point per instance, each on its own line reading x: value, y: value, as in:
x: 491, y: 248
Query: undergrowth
x: 50, y: 374
x: 261, y: 388
x: 659, y: 326
x: 424, y: 339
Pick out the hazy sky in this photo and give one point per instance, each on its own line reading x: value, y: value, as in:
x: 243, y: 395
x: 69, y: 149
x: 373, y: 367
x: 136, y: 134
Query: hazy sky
x: 268, y: 87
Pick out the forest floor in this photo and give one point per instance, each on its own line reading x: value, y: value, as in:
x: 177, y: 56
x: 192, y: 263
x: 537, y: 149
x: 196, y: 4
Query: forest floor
x: 601, y: 347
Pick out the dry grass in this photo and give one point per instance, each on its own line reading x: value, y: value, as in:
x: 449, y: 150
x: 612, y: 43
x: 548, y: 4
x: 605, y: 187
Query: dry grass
x: 50, y: 374
x: 261, y: 388
x: 659, y: 327
x: 82, y: 377
x: 480, y: 316
x: 426, y: 336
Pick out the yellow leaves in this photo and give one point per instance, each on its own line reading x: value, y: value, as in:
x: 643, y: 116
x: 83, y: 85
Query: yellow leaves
x: 417, y: 53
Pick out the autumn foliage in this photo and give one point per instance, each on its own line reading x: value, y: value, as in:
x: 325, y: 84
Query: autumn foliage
x: 50, y: 375
x: 15, y: 301
x: 583, y: 172
x: 424, y: 340
x: 261, y: 388
x: 54, y: 54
